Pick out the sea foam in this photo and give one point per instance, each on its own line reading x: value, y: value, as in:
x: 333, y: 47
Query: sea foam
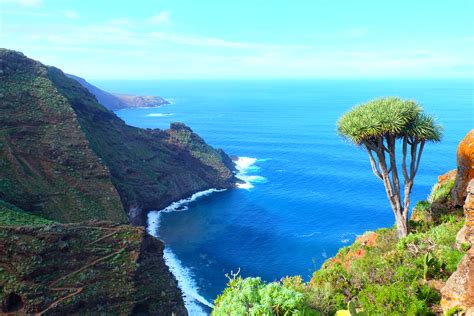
x: 184, y: 276
x: 160, y: 114
x: 245, y: 165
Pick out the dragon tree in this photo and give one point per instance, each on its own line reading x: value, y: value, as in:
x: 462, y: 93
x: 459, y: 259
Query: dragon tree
x: 378, y: 126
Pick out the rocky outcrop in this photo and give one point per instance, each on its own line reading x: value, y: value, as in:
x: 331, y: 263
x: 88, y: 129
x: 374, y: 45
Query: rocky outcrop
x: 119, y: 101
x: 88, y: 268
x: 459, y: 289
x: 139, y: 101
x: 465, y: 169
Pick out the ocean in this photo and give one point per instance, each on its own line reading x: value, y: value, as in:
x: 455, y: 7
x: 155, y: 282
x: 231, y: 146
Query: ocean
x: 307, y: 191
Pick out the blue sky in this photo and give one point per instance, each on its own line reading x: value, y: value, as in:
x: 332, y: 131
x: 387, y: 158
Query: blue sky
x: 167, y: 39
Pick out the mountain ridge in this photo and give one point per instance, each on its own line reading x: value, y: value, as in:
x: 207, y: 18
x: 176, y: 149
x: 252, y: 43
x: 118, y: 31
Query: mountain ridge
x: 118, y: 101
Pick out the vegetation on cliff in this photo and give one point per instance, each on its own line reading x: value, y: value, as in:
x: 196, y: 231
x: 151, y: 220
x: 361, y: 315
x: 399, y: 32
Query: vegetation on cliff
x: 46, y: 164
x: 149, y: 167
x: 89, y: 267
x: 380, y: 273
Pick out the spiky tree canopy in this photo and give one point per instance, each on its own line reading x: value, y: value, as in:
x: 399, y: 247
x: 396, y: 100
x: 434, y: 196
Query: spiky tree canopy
x: 388, y: 116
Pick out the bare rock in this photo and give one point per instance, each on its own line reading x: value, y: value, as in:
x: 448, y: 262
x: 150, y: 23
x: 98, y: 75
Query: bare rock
x: 465, y: 169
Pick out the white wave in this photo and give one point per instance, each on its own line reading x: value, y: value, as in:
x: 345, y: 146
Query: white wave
x: 245, y: 165
x: 308, y: 235
x: 345, y: 241
x: 183, y: 275
x: 159, y: 114
x: 186, y: 284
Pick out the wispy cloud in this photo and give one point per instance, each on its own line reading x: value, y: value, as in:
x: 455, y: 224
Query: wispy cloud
x: 104, y: 46
x: 25, y: 3
x: 161, y: 18
x: 198, y: 41
x: 71, y: 14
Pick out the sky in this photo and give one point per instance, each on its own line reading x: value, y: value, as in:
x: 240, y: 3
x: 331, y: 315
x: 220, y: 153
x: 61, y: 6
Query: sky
x: 240, y: 39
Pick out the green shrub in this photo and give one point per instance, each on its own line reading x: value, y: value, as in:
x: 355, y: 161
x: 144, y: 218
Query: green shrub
x: 392, y: 299
x: 11, y: 215
x: 251, y: 296
x: 440, y: 193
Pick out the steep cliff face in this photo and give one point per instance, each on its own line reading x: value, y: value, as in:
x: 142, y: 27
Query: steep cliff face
x: 46, y: 163
x: 66, y: 156
x: 88, y: 268
x: 150, y: 167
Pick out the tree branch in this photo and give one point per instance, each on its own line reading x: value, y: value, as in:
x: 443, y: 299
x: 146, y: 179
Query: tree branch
x: 413, y: 149
x: 374, y: 164
x: 422, y: 145
x: 404, y: 160
x: 393, y: 168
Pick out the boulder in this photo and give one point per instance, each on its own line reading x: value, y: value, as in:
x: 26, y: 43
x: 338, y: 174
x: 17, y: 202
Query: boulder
x: 465, y: 169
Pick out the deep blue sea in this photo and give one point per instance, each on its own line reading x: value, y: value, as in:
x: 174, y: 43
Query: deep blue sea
x: 308, y: 191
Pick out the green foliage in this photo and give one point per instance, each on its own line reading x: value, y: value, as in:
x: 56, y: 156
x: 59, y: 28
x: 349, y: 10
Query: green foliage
x: 465, y: 246
x: 392, y: 299
x: 11, y: 215
x: 440, y: 193
x: 453, y: 311
x: 251, y: 296
x: 428, y: 261
x: 423, y: 206
x: 389, y: 115
x: 388, y: 277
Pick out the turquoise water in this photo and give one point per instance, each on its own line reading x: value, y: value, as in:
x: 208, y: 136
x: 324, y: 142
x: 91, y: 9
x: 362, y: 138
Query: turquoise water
x: 308, y: 192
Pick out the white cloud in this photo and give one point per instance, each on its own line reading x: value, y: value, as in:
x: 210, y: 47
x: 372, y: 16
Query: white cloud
x: 197, y: 41
x: 25, y: 3
x: 104, y: 47
x: 120, y: 22
x: 161, y: 18
x: 71, y: 14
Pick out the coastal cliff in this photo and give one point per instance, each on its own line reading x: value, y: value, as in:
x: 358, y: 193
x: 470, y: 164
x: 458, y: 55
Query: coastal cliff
x: 67, y: 163
x: 47, y: 165
x: 66, y: 157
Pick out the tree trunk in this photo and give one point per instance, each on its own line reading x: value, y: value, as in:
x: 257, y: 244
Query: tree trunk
x: 392, y: 186
x: 402, y: 224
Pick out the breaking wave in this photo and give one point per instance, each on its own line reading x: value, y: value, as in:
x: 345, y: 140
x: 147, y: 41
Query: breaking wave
x: 244, y: 166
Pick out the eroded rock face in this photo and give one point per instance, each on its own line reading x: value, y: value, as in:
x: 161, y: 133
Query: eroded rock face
x: 465, y: 169
x: 459, y: 289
